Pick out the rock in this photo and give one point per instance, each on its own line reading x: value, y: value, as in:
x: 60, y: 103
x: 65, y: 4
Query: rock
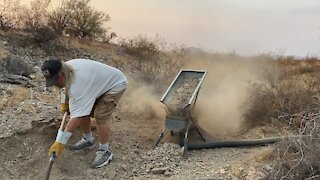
x: 32, y: 76
x: 16, y: 65
x: 251, y: 174
x: 112, y: 174
x: 124, y: 167
x: 222, y: 171
x: 168, y: 173
x: 160, y: 170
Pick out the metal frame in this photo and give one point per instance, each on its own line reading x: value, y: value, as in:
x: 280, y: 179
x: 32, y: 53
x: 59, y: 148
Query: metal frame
x: 186, y: 110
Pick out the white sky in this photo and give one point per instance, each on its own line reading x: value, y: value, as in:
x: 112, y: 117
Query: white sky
x: 290, y: 27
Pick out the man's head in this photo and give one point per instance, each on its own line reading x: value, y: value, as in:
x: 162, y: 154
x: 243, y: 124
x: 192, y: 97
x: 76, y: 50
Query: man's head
x: 51, y: 70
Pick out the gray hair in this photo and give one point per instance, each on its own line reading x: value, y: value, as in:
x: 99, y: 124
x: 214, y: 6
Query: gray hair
x: 68, y: 72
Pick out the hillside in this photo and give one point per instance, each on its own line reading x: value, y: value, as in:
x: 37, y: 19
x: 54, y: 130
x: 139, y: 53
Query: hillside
x: 241, y: 98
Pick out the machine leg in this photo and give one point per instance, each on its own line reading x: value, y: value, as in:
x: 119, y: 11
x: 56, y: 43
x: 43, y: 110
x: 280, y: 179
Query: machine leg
x: 185, y: 142
x: 185, y: 148
x: 200, y: 134
x: 160, y: 137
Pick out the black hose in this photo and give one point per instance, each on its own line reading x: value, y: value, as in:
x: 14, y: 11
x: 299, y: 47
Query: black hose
x: 234, y: 143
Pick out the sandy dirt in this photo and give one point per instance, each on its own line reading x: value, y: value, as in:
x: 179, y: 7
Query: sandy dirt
x: 182, y: 94
x: 24, y: 153
x: 29, y: 120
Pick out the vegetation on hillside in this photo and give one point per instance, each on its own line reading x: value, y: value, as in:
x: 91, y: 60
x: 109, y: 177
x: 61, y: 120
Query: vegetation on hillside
x: 74, y: 18
x: 286, y: 96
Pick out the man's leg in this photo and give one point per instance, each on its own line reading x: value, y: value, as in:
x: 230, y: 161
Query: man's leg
x: 87, y: 141
x: 104, y: 154
x: 85, y: 124
x: 103, y: 131
x: 102, y: 114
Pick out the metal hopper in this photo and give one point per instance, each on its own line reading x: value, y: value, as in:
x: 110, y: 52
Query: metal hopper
x: 179, y: 100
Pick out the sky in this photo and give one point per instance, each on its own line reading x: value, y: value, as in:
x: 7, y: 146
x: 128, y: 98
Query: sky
x: 247, y: 27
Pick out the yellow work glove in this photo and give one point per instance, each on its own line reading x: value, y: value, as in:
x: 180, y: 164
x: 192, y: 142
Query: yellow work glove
x: 57, y: 148
x: 64, y: 107
x: 59, y: 144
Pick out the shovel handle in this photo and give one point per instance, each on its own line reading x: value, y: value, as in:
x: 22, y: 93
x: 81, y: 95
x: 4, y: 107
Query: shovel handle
x: 65, y: 115
x: 51, y: 161
x: 53, y: 155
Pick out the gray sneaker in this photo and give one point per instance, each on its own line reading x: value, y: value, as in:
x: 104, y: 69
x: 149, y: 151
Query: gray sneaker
x: 102, y: 158
x: 82, y: 145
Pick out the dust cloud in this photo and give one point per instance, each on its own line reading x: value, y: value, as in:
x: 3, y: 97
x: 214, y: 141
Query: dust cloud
x: 141, y: 100
x: 221, y: 102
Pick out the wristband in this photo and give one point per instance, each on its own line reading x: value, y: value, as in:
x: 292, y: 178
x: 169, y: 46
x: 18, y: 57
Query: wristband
x: 63, y: 137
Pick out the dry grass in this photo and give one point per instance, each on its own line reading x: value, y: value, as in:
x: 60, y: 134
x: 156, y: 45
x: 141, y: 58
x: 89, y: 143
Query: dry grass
x: 291, y: 101
x: 88, y: 45
x: 298, y: 158
x: 291, y: 92
x: 3, y: 53
x: 149, y: 58
x: 265, y: 155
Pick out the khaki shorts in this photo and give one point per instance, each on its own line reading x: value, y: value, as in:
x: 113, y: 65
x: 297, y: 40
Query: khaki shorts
x: 104, y: 106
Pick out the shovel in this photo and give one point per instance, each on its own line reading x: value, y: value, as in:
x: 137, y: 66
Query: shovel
x: 53, y: 155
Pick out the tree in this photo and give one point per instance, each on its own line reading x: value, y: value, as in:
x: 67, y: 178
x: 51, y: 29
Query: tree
x: 9, y: 16
x: 77, y: 18
x: 37, y: 16
x: 37, y: 22
x: 59, y: 19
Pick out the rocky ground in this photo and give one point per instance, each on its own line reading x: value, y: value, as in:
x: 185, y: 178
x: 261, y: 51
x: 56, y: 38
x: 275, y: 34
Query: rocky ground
x: 24, y: 156
x: 29, y: 119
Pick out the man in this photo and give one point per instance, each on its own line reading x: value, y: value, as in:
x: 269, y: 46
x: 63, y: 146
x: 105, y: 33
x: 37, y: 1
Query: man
x: 93, y: 89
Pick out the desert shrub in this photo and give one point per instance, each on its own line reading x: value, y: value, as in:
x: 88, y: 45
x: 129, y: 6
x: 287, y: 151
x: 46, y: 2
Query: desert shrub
x: 10, y: 14
x: 147, y: 55
x: 153, y: 60
x: 44, y: 34
x: 291, y: 99
x: 142, y: 47
x: 285, y: 94
x: 72, y: 18
x: 298, y: 157
x: 77, y: 18
x: 36, y: 21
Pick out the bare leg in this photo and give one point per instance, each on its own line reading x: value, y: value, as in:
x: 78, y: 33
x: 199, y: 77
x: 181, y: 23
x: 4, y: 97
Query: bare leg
x: 73, y: 123
x: 103, y: 131
x: 85, y: 124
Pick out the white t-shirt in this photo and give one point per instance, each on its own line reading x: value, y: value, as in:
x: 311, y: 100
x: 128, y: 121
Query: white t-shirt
x: 91, y: 80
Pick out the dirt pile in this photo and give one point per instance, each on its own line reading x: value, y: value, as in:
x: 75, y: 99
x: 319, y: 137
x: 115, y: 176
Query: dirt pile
x: 164, y: 159
x: 182, y: 94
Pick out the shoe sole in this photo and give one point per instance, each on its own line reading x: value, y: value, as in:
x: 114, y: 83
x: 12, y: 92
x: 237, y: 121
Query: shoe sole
x: 105, y: 163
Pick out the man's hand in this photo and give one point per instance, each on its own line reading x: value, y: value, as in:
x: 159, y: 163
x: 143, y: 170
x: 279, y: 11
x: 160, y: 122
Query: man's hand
x: 57, y: 148
x: 58, y: 145
x: 64, y: 107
